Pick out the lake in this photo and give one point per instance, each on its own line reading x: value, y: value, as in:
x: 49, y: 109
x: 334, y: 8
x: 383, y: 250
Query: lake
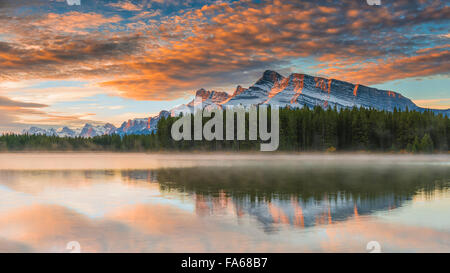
x: 63, y: 202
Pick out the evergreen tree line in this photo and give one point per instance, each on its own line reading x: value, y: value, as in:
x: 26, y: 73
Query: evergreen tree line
x: 300, y: 130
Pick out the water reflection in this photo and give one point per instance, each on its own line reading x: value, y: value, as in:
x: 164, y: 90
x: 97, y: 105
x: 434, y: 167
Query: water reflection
x: 301, y: 197
x: 239, y: 208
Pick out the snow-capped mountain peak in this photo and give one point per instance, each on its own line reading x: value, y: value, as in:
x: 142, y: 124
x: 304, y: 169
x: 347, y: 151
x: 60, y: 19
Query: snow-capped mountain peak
x: 269, y: 77
x: 90, y: 130
x: 141, y: 126
x: 239, y: 90
x: 296, y: 90
x: 67, y: 132
x: 209, y: 99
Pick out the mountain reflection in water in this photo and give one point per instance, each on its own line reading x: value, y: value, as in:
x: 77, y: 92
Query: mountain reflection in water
x: 245, y: 206
x: 299, y: 197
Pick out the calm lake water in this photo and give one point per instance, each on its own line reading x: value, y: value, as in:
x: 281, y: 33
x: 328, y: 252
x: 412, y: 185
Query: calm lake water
x: 224, y: 203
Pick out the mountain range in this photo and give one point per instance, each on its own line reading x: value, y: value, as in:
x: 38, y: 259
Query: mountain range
x: 138, y: 126
x: 295, y: 91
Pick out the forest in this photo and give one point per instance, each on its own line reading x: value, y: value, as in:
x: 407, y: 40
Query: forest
x: 301, y: 130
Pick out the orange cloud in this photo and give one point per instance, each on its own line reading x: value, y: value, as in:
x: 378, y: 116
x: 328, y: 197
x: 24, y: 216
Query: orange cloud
x: 125, y: 6
x: 231, y: 39
x: 75, y: 22
x: 426, y: 63
x: 222, y: 44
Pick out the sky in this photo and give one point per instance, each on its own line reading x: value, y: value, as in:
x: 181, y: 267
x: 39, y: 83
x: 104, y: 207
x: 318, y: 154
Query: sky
x: 71, y: 62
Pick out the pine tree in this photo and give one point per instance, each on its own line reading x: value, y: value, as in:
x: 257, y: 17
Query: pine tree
x: 302, y: 129
x: 416, y: 145
x: 426, y: 144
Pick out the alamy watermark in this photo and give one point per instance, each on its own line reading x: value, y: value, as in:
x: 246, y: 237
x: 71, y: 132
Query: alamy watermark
x: 213, y: 128
x: 73, y: 2
x: 74, y: 247
x: 373, y: 2
x: 373, y: 247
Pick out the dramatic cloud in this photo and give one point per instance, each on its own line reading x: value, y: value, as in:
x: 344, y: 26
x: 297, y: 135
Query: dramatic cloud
x: 224, y: 42
x: 426, y: 62
x: 155, y: 55
x: 165, y: 49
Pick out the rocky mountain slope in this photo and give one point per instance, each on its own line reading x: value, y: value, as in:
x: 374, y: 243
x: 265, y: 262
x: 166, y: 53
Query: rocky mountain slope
x: 295, y: 91
x: 299, y: 90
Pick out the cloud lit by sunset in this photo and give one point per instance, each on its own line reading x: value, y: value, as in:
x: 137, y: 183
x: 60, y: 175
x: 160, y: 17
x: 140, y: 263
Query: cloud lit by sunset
x: 107, y: 61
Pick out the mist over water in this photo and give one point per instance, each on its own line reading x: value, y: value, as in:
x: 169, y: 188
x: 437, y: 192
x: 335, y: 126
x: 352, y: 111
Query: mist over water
x: 224, y: 203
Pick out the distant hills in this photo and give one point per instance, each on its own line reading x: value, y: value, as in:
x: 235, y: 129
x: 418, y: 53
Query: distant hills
x: 295, y: 91
x: 138, y: 126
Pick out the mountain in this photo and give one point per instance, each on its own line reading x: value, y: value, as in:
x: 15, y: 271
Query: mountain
x: 209, y: 99
x: 67, y: 132
x: 99, y: 130
x: 299, y: 90
x: 142, y: 126
x: 37, y: 131
x: 136, y: 127
x: 295, y: 91
x: 88, y: 130
x: 259, y: 92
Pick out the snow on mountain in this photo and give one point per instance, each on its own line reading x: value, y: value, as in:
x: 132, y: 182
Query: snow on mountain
x: 258, y: 93
x: 209, y: 99
x: 87, y: 131
x: 296, y: 90
x: 238, y: 91
x: 98, y: 130
x: 212, y: 96
x: 35, y: 131
x: 141, y: 126
x: 67, y: 132
x: 299, y: 90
